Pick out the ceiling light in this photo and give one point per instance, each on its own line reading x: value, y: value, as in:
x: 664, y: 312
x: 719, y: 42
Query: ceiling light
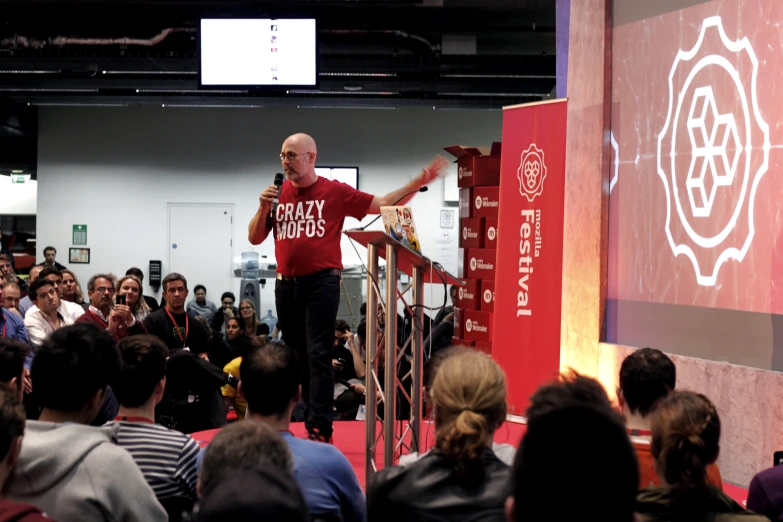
x: 30, y: 71
x: 4, y: 89
x: 526, y: 76
x: 364, y: 93
x: 359, y: 107
x: 191, y: 91
x: 51, y: 104
x: 208, y: 106
x: 191, y: 73
x: 358, y: 74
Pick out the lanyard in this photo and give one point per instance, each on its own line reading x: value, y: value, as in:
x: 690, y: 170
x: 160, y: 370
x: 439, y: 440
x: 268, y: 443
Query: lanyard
x: 176, y: 326
x: 54, y: 324
x: 134, y: 419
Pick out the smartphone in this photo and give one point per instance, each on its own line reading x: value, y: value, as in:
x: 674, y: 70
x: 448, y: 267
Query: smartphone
x: 121, y: 299
x: 344, y: 383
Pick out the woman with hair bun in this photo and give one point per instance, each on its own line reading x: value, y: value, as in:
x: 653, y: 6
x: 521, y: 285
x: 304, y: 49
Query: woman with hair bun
x: 685, y: 441
x: 461, y: 479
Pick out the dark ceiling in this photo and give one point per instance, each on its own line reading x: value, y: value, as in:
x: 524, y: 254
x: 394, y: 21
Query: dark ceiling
x: 439, y: 53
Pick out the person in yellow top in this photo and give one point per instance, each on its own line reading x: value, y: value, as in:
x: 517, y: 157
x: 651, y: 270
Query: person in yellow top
x: 230, y: 394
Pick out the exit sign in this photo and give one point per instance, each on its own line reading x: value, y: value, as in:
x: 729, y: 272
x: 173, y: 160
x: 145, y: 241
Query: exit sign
x: 19, y: 178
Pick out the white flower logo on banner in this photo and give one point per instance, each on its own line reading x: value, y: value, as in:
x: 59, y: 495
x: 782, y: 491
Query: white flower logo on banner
x: 725, y: 165
x: 531, y: 172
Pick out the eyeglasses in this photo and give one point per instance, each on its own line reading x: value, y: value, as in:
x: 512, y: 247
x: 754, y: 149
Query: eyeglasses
x: 246, y: 308
x: 291, y: 156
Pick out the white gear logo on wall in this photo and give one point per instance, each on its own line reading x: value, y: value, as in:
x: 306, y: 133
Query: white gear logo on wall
x: 722, y: 151
x: 464, y: 233
x: 531, y: 172
x: 487, y: 296
x: 478, y: 201
x: 473, y: 263
x: 468, y: 325
x: 461, y: 292
x: 491, y: 233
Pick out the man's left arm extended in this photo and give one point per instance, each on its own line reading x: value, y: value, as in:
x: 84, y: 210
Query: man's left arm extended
x: 436, y: 168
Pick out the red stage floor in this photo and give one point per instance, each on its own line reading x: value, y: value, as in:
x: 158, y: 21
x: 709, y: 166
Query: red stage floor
x: 349, y: 438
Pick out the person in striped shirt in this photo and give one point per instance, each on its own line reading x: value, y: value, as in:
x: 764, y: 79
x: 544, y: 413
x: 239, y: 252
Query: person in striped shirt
x: 167, y: 458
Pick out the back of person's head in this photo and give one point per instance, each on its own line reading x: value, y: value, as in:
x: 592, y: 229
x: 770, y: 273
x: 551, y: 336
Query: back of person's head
x: 433, y: 364
x: 142, y: 369
x: 12, y: 356
x: 570, y: 389
x: 363, y: 308
x: 646, y: 376
x: 249, y: 495
x: 243, y: 445
x: 546, y: 481
x: 12, y: 419
x: 72, y: 365
x: 270, y: 379
x: 469, y: 394
x: 135, y: 272
x: 685, y: 438
x: 50, y: 270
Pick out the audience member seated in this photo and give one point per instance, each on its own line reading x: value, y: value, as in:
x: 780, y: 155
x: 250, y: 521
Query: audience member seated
x: 173, y: 325
x: 230, y: 395
x: 152, y: 303
x: 45, y: 317
x: 571, y: 423
x: 50, y: 255
x: 234, y: 344
x: 71, y: 310
x: 13, y: 373
x: 26, y: 302
x: 647, y: 376
x: 200, y: 306
x: 68, y: 469
x: 685, y: 441
x: 11, y: 434
x: 11, y: 323
x: 349, y: 368
x: 226, y: 312
x: 7, y: 269
x: 116, y: 319
x: 72, y: 289
x: 12, y: 297
x: 246, y: 476
x: 461, y: 479
x: 403, y: 371
x: 130, y: 287
x: 248, y: 319
x: 167, y: 458
x: 764, y: 495
x: 504, y: 452
x: 271, y: 386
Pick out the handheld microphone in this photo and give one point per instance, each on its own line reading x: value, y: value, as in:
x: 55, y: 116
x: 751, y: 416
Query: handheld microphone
x: 278, y: 184
x: 425, y: 188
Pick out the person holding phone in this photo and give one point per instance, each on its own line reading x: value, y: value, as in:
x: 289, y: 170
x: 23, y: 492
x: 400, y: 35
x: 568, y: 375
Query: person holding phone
x: 117, y: 319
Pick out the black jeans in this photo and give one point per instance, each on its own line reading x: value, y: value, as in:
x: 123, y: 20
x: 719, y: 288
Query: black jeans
x: 307, y: 310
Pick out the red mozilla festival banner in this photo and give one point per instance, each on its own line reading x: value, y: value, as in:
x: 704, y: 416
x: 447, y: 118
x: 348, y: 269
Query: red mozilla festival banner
x: 528, y: 280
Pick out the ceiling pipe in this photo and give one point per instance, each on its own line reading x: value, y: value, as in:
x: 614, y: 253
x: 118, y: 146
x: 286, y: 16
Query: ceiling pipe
x: 60, y: 41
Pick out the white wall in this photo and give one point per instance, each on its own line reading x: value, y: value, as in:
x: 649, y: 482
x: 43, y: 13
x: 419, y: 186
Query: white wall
x: 17, y: 198
x: 116, y: 169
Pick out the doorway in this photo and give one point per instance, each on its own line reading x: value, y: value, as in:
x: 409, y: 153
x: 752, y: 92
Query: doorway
x: 201, y: 246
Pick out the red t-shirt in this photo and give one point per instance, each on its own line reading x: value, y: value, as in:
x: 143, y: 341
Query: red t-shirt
x: 309, y: 222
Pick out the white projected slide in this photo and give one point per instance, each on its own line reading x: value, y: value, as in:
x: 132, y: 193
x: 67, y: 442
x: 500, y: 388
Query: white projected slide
x: 258, y: 52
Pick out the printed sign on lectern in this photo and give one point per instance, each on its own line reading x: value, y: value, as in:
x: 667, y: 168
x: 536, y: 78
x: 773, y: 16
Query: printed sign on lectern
x: 529, y: 266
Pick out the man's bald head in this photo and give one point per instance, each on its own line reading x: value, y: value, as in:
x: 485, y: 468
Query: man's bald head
x: 34, y: 271
x: 302, y: 141
x: 298, y: 158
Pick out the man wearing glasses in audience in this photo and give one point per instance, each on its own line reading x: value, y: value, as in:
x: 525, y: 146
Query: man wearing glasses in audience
x: 117, y: 319
x: 307, y: 229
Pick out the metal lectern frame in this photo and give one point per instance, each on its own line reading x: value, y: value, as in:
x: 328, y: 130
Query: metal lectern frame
x: 398, y: 258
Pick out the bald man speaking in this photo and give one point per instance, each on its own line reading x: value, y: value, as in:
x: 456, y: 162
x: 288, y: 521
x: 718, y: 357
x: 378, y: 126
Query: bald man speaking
x: 307, y: 227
